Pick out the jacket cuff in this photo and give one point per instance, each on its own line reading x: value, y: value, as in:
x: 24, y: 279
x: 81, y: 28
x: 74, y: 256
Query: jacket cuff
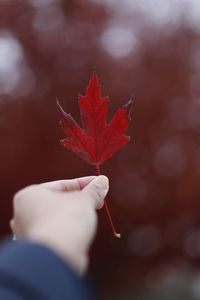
x: 39, y: 273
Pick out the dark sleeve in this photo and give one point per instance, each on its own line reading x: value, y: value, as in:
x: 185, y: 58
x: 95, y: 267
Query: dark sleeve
x: 29, y: 271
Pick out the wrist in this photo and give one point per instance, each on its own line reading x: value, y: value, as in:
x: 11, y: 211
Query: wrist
x: 62, y: 246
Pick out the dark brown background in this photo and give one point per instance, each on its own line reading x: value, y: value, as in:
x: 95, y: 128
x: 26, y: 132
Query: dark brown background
x: 147, y: 48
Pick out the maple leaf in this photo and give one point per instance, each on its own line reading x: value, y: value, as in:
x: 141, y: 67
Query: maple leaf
x: 96, y: 141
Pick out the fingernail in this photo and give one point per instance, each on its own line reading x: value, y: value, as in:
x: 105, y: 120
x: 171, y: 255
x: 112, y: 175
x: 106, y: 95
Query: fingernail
x: 102, y: 182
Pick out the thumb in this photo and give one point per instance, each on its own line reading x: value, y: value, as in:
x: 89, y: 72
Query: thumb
x: 96, y: 191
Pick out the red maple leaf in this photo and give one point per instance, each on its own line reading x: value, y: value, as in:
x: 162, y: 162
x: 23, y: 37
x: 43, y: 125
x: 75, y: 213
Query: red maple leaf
x: 97, y: 140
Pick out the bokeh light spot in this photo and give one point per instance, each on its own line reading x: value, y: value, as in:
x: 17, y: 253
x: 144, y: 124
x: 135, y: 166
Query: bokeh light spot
x: 48, y: 18
x: 11, y: 56
x: 170, y: 160
x: 39, y: 3
x: 193, y: 115
x: 145, y: 240
x: 119, y: 41
x: 192, y: 244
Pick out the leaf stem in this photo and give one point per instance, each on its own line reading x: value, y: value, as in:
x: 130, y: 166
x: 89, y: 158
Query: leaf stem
x: 118, y: 235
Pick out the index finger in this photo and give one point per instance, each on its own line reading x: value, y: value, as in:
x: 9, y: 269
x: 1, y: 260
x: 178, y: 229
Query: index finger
x: 69, y: 185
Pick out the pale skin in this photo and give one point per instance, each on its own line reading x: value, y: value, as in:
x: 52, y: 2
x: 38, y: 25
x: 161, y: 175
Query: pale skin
x: 61, y: 215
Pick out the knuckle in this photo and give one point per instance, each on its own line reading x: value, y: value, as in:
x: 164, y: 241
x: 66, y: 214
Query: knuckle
x: 97, y: 193
x: 95, y: 197
x: 100, y: 204
x: 98, y: 198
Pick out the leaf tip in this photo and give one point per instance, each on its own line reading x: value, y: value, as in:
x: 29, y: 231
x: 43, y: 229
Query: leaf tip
x: 94, y: 75
x: 94, y: 71
x: 128, y: 107
x: 58, y: 105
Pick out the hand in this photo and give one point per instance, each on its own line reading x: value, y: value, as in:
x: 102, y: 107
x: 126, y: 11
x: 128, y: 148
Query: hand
x: 61, y: 215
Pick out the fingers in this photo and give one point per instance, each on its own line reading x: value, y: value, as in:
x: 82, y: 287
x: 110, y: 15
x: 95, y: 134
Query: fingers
x: 69, y: 185
x: 96, y: 191
x: 12, y: 225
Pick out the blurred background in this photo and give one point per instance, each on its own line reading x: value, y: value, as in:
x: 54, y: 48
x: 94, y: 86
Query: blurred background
x: 146, y: 48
